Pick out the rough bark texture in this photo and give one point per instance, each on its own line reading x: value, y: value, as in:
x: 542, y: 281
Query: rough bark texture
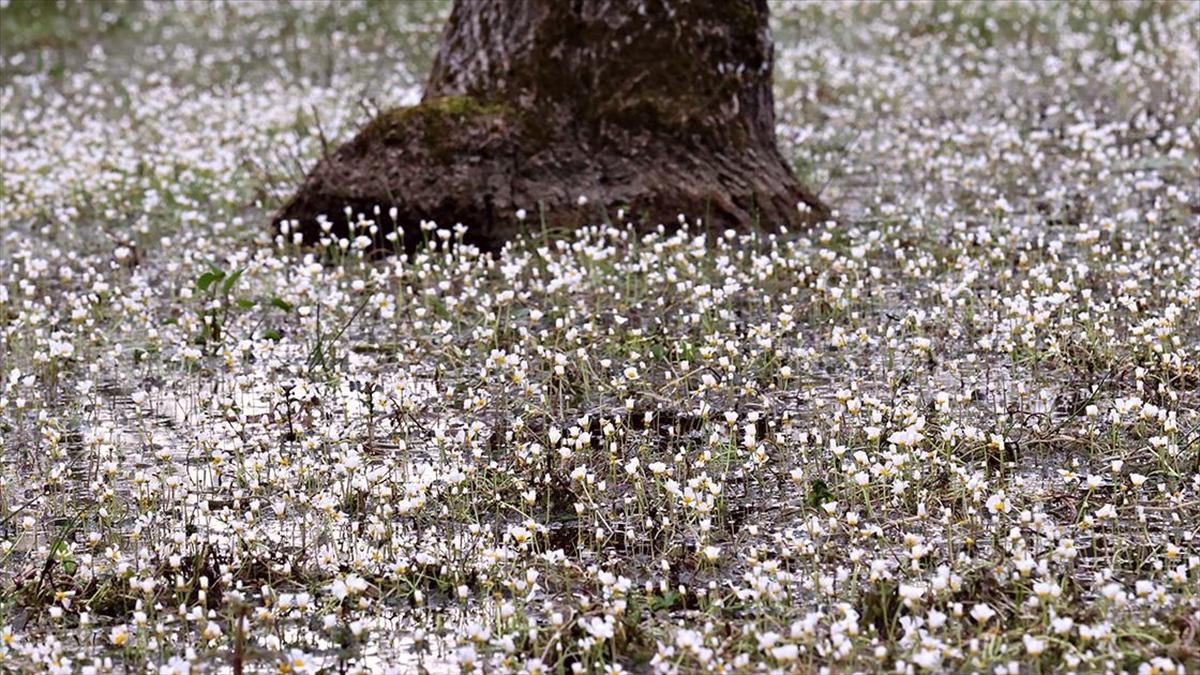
x: 661, y: 107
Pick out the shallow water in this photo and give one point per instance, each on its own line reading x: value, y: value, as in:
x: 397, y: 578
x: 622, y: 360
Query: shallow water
x: 1018, y: 191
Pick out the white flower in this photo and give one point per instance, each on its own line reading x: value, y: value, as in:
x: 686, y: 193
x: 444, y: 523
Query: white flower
x: 928, y: 659
x: 602, y: 628
x: 936, y: 619
x: 785, y: 653
x: 1160, y: 665
x: 631, y: 467
x: 60, y: 348
x: 982, y: 612
x: 299, y: 662
x: 908, y: 438
x: 1047, y: 589
x: 1062, y: 624
x: 998, y: 503
x: 911, y: 593
x: 467, y: 658
x: 178, y: 665
x: 350, y: 585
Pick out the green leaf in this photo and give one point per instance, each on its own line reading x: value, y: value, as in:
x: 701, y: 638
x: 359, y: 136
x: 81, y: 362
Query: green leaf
x: 281, y: 304
x: 245, y: 303
x: 818, y: 493
x: 62, y: 552
x: 272, y: 334
x: 660, y: 602
x: 208, y: 279
x: 232, y: 280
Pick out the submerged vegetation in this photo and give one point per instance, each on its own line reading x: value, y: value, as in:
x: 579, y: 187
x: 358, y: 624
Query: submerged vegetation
x: 957, y: 429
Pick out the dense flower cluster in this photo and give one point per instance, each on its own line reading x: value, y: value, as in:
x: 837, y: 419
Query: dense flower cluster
x: 956, y: 429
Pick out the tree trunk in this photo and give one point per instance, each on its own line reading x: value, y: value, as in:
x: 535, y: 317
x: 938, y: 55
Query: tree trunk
x: 656, y: 107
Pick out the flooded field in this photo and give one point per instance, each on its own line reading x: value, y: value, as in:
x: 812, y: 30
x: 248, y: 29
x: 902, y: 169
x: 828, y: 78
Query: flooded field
x: 958, y: 429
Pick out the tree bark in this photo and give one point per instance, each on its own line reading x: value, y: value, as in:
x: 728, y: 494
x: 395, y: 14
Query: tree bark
x: 656, y: 107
